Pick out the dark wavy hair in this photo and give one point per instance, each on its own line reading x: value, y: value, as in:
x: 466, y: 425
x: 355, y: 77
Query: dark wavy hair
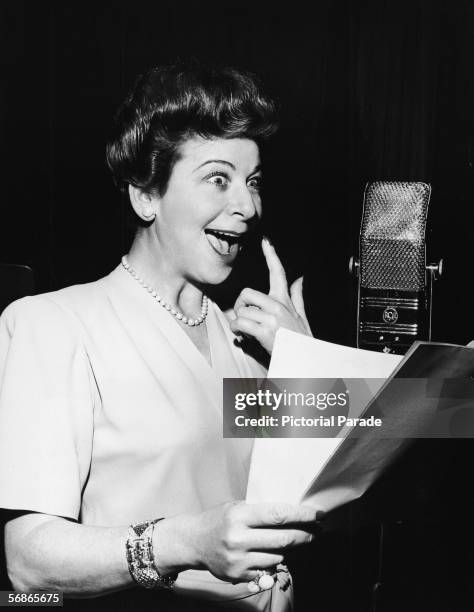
x: 170, y: 104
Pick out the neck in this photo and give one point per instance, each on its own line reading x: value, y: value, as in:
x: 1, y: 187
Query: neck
x: 147, y: 258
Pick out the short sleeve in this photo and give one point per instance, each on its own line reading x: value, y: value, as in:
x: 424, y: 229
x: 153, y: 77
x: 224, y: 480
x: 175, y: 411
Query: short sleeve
x: 46, y: 409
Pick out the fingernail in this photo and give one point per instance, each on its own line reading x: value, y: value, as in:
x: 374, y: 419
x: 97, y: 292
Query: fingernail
x: 267, y: 239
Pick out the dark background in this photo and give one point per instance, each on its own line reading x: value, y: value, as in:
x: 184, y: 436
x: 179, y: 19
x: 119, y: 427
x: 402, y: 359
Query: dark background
x: 372, y: 89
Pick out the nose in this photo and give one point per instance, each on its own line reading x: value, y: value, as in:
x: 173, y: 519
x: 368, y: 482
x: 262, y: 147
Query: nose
x: 244, y: 203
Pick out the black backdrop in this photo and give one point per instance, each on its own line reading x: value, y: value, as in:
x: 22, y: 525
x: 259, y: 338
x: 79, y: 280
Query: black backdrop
x: 368, y: 90
x: 373, y: 89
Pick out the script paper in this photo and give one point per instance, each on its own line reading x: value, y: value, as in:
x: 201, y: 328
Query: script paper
x: 438, y: 401
x: 427, y: 393
x: 282, y: 470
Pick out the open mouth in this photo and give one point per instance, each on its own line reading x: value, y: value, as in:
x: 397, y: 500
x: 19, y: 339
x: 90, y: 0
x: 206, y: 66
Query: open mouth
x: 224, y: 243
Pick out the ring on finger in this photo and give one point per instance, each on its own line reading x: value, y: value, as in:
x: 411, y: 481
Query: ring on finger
x: 262, y: 582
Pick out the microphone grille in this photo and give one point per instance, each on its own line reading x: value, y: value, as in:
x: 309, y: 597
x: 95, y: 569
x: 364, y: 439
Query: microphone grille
x: 392, y: 236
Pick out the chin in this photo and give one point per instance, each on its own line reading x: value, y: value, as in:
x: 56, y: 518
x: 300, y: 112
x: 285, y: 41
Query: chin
x: 216, y: 277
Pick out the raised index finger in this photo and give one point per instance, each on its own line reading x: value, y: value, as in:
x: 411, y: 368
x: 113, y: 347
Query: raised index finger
x: 278, y: 282
x: 274, y: 515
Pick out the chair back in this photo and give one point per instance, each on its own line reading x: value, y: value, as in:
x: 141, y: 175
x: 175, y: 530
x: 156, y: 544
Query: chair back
x: 16, y: 281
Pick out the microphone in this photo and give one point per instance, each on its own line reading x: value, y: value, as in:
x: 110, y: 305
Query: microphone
x: 395, y: 286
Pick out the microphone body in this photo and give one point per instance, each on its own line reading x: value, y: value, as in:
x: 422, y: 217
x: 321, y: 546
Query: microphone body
x: 394, y: 282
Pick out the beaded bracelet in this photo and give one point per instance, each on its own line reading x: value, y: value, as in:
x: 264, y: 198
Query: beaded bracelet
x: 140, y: 558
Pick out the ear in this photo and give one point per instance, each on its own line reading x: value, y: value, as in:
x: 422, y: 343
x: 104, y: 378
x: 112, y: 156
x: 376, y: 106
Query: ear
x: 144, y: 204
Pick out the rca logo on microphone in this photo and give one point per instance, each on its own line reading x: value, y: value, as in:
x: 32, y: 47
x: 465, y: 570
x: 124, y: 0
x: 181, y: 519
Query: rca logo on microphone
x: 390, y: 315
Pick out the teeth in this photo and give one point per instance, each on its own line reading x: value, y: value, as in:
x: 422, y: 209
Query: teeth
x: 224, y: 235
x: 228, y: 237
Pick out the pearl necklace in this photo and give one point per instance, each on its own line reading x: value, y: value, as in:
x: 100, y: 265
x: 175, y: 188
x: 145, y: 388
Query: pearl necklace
x: 179, y: 315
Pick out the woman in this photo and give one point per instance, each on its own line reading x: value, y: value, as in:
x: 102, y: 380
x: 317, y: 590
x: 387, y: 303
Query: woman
x: 110, y: 410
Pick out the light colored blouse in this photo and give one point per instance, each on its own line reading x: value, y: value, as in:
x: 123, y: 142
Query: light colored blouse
x: 109, y: 414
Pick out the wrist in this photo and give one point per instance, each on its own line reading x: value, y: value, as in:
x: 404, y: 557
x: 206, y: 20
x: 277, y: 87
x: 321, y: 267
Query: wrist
x: 173, y: 545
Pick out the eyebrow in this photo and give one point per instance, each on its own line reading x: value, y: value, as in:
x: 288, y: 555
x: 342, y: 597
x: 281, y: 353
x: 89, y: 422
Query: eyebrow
x: 227, y: 163
x: 216, y: 161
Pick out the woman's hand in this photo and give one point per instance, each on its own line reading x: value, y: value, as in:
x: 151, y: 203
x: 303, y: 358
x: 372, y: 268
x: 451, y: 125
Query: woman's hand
x: 260, y: 315
x: 46, y: 552
x: 234, y: 540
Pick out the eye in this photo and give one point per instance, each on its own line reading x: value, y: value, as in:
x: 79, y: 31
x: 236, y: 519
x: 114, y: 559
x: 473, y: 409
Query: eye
x: 255, y: 183
x: 218, y: 178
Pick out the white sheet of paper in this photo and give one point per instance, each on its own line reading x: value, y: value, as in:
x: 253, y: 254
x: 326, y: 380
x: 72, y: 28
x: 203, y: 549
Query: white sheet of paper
x: 283, y: 469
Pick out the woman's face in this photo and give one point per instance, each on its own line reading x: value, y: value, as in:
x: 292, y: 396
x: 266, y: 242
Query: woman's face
x: 212, y: 201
